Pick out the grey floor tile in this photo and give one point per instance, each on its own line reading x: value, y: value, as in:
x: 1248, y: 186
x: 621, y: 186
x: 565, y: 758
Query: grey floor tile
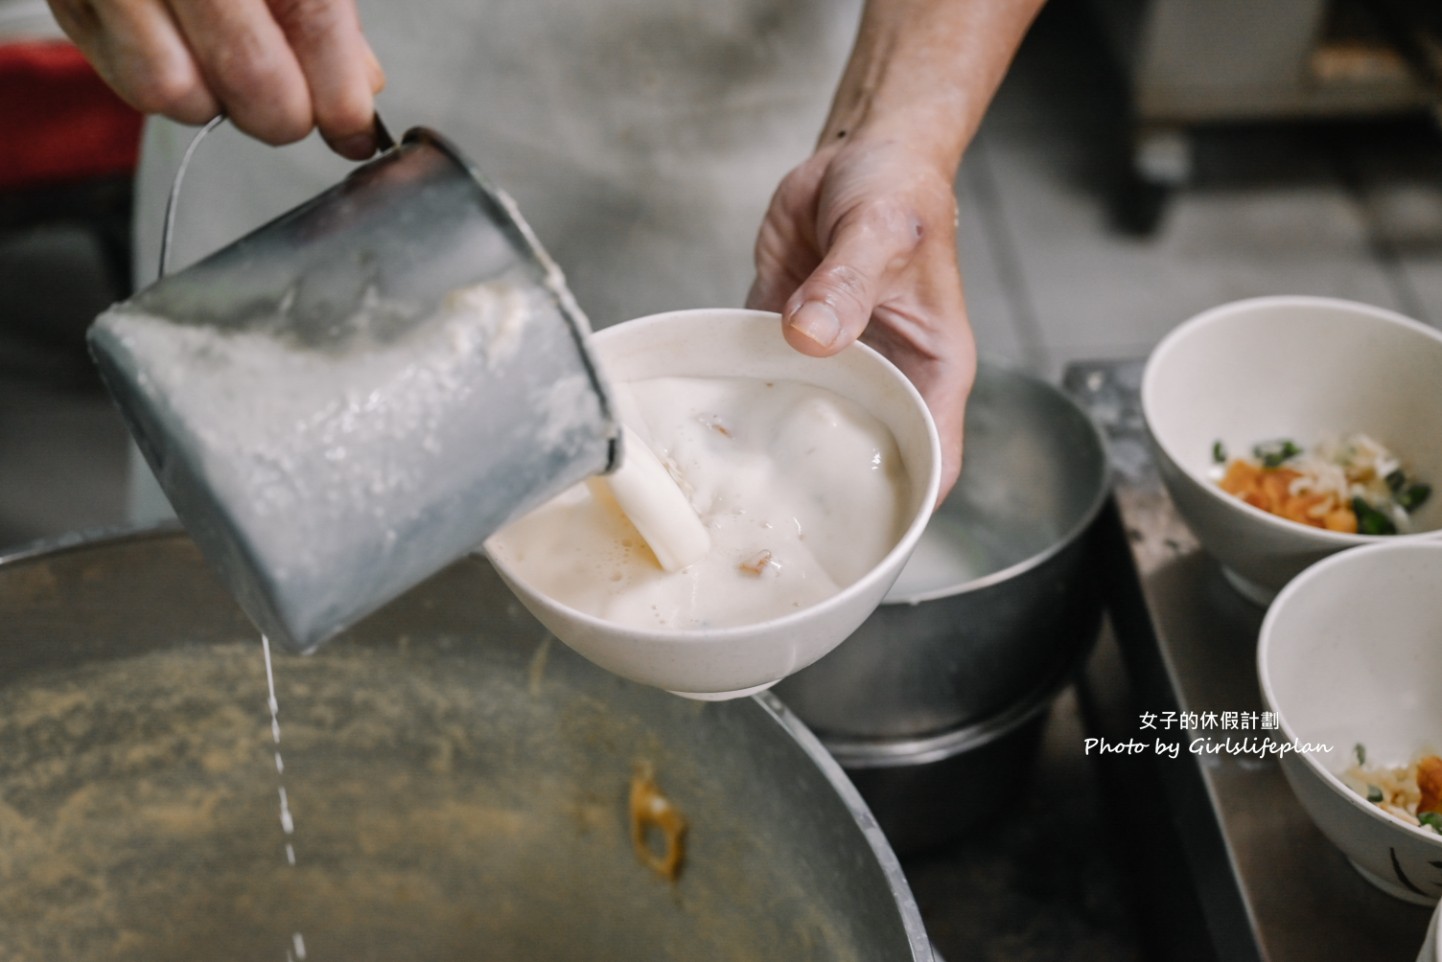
x: 1396, y: 174
x: 1227, y: 236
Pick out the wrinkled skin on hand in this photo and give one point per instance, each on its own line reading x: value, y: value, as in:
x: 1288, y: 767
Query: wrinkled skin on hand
x: 278, y: 68
x: 860, y: 242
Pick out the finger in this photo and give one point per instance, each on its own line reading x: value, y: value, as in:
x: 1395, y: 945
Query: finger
x: 138, y: 49
x: 833, y: 305
x: 946, y: 387
x: 943, y: 371
x: 374, y: 71
x: 948, y: 410
x: 764, y: 295
x: 339, y: 68
x: 786, y: 251
x: 249, y: 66
x: 927, y: 334
x: 773, y: 280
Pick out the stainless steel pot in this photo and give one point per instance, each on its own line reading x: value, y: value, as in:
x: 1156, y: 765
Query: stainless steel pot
x: 457, y: 783
x: 929, y: 790
x: 1019, y: 603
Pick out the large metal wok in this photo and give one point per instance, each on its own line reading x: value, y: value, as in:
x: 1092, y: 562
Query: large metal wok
x: 458, y: 782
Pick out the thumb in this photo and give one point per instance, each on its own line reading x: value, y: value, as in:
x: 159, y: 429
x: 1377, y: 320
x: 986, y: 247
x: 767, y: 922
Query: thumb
x: 832, y: 306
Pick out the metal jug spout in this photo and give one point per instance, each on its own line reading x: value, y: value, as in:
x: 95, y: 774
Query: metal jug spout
x: 358, y: 393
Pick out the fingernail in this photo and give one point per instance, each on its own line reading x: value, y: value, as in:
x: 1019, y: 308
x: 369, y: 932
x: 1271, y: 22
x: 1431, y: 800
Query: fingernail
x: 817, y: 321
x: 356, y: 146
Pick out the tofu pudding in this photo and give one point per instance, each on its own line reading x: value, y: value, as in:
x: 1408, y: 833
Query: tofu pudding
x: 800, y: 493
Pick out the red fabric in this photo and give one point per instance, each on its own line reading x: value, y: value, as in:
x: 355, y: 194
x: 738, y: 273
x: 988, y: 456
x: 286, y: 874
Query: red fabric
x: 58, y: 120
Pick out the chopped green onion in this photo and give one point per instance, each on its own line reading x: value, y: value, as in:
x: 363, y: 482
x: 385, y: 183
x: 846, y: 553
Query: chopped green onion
x: 1374, y: 794
x: 1432, y: 820
x: 1360, y: 751
x: 1219, y: 452
x: 1370, y: 520
x: 1413, y: 496
x: 1273, y: 453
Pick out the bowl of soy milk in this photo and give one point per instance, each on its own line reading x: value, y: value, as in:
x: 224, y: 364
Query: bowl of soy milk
x: 766, y: 503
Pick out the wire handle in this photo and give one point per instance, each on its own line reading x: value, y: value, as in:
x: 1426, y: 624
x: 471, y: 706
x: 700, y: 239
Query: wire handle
x: 169, y: 227
x: 384, y: 142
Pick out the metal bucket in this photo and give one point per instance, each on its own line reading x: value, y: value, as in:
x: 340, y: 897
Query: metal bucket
x: 458, y: 783
x: 356, y: 394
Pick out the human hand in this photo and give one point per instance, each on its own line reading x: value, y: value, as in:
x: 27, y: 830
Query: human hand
x: 277, y: 68
x: 860, y: 242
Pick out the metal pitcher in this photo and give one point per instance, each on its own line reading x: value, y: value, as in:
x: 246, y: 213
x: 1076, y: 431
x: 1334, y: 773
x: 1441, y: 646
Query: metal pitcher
x: 359, y: 392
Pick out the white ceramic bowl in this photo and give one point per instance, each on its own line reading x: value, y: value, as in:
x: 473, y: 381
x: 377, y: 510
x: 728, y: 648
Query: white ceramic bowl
x: 1351, y: 653
x: 1432, y: 947
x: 1304, y: 368
x: 729, y: 662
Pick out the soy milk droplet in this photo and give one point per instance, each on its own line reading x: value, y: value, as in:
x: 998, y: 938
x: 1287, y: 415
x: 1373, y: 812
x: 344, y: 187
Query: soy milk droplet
x: 287, y: 821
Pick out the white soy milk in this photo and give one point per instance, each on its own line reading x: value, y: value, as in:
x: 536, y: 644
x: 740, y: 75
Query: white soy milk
x: 945, y: 558
x: 800, y: 491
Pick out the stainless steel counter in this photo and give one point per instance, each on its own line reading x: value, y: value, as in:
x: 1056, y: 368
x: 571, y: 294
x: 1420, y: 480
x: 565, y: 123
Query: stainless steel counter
x: 1221, y: 831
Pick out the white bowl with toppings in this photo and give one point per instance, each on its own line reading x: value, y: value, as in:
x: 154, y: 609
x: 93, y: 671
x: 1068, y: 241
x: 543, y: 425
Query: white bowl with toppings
x: 1265, y: 393
x: 1432, y: 946
x: 804, y: 482
x: 1350, y: 659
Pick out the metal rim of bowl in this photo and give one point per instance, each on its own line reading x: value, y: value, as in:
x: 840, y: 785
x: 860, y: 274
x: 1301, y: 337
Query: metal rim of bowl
x: 84, y: 538
x: 832, y: 768
x: 1078, y: 528
x: 863, y: 753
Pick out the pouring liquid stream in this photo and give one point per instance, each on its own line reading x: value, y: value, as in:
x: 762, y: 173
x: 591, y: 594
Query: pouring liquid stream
x: 296, y: 951
x: 655, y: 504
x: 661, y: 512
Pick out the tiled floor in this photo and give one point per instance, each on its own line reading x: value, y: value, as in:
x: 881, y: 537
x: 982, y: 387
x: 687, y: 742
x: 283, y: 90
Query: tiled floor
x: 1353, y: 211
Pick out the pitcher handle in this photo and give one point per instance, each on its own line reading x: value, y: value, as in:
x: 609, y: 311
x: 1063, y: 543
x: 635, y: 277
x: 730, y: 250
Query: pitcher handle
x: 384, y: 142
